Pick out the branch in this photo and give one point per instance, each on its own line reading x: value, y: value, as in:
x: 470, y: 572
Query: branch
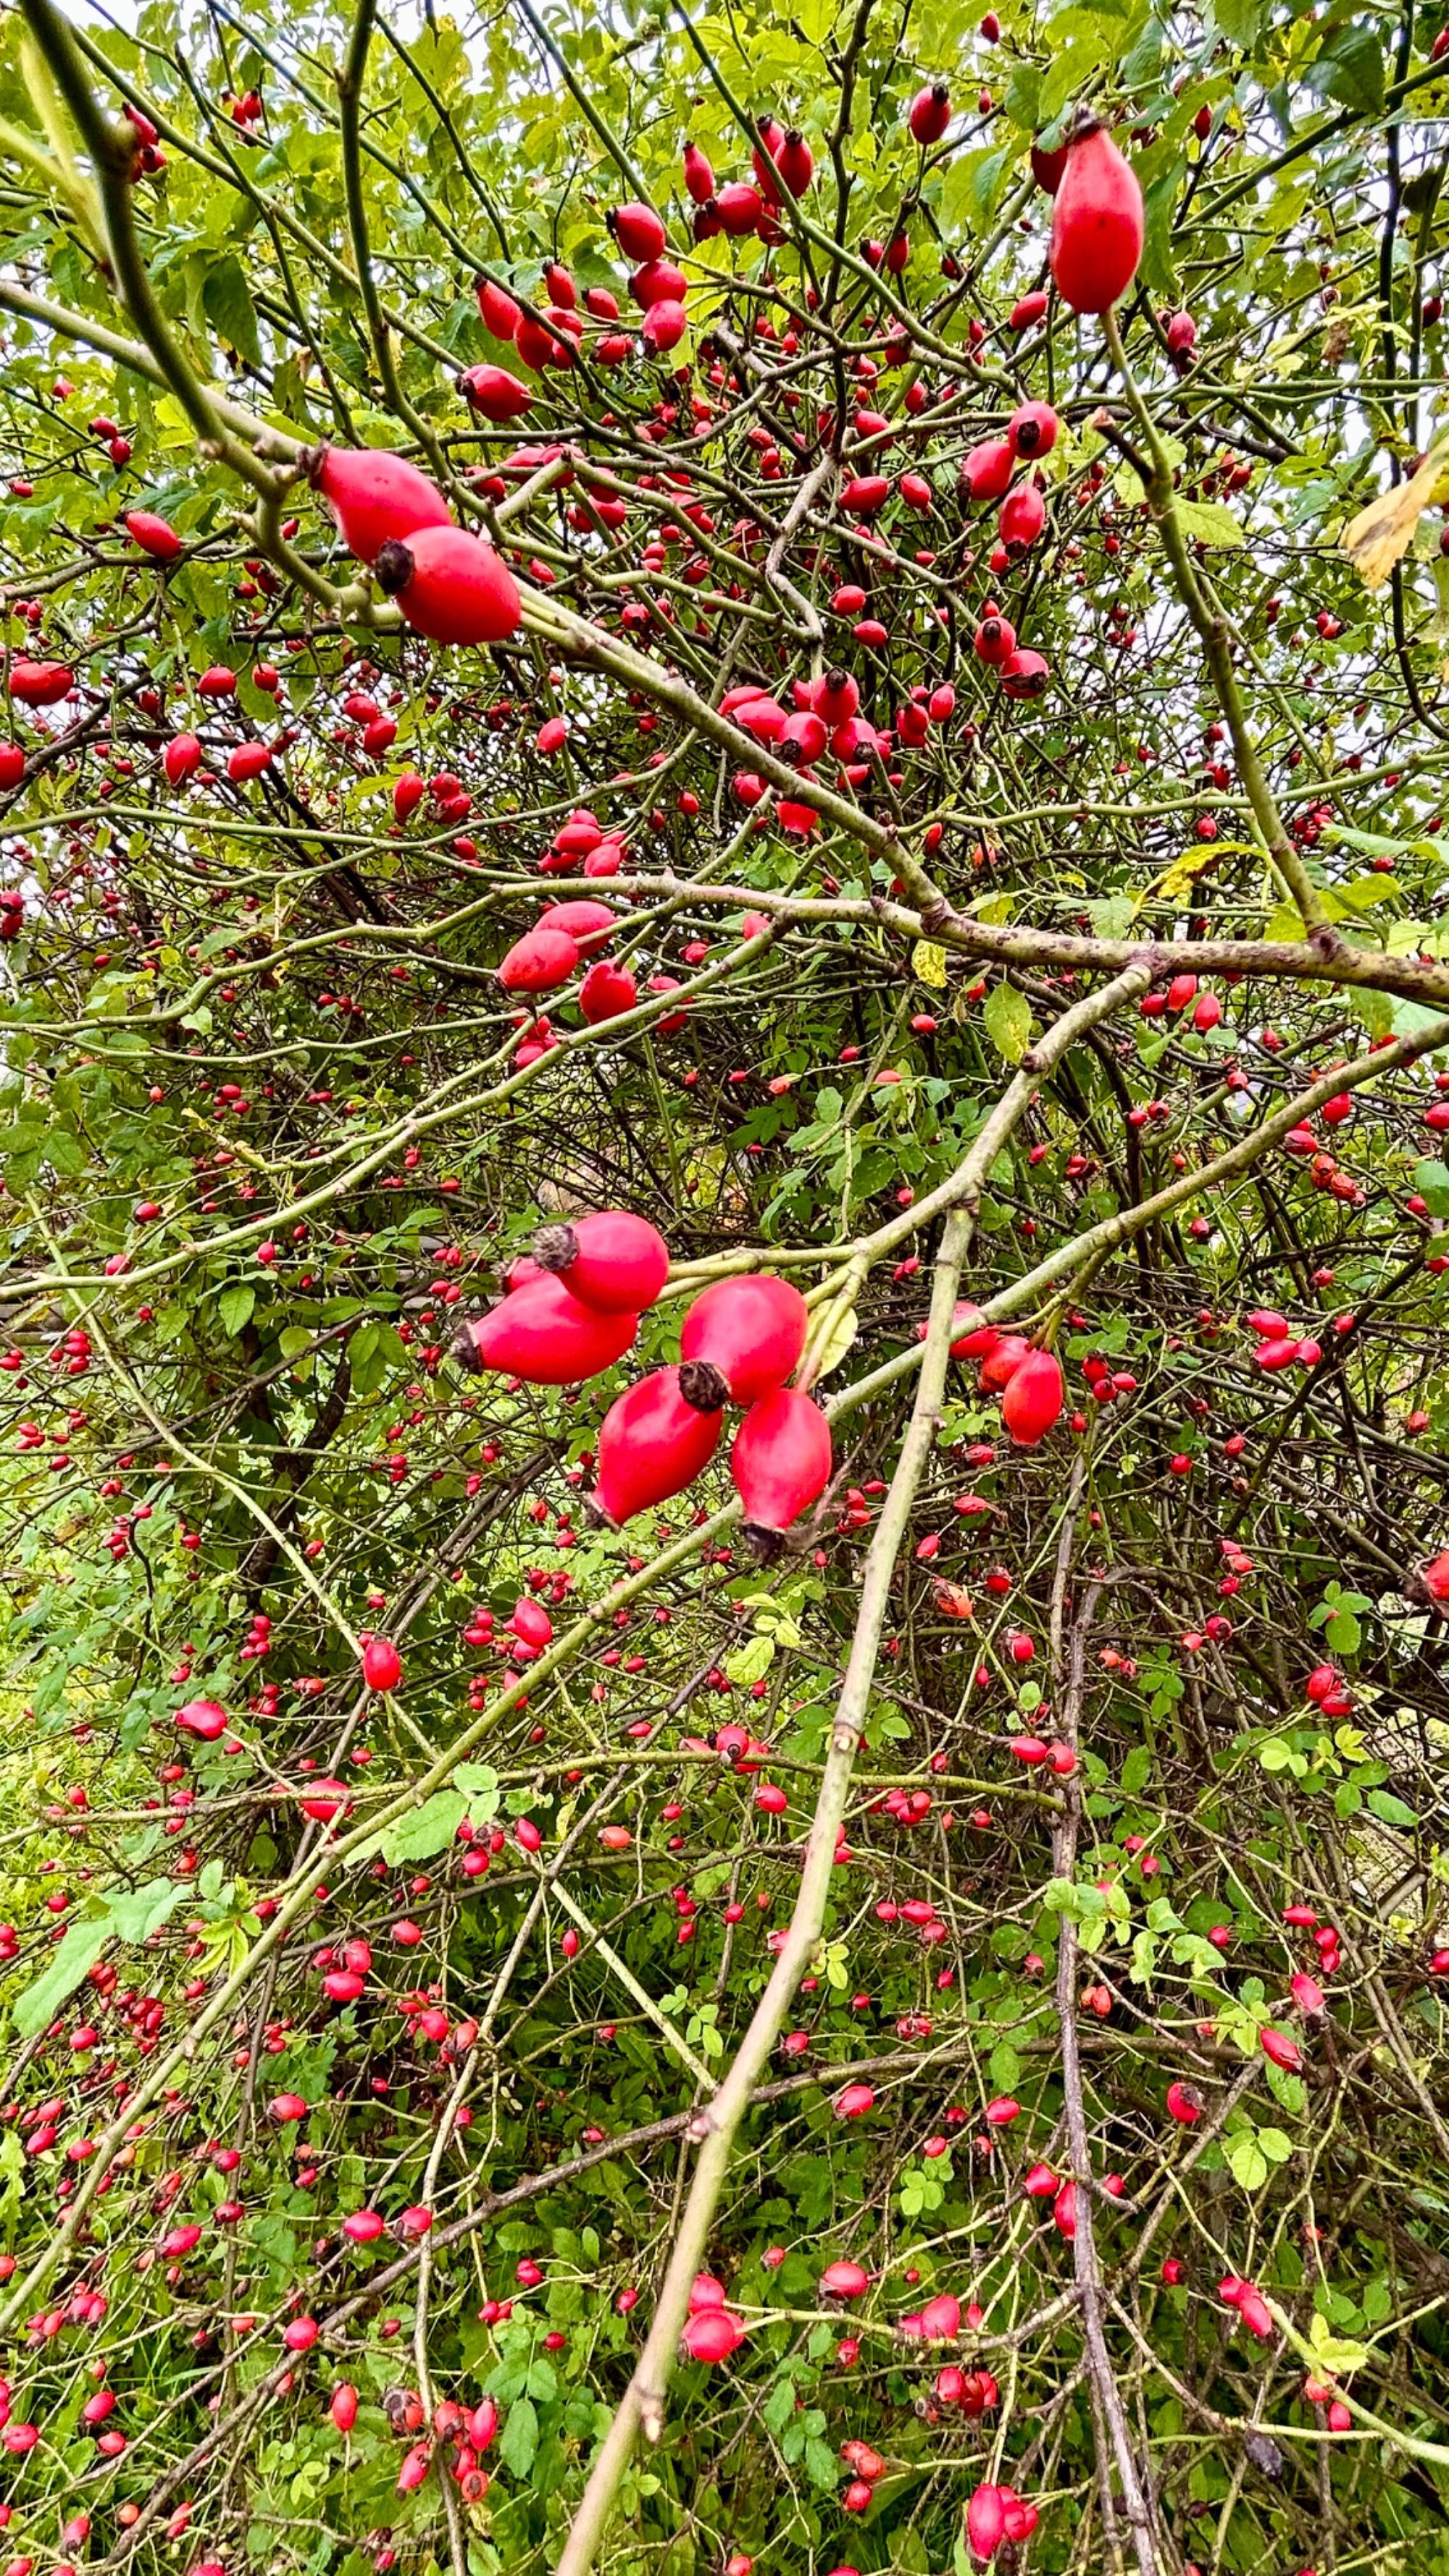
x: 715, y: 2127
x: 1212, y: 630
x: 1088, y: 2268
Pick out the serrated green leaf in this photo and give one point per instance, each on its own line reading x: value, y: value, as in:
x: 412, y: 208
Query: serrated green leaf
x: 226, y: 299
x: 1391, y: 1810
x: 1334, y: 2353
x: 73, y: 1959
x: 130, y: 1915
x: 1210, y: 522
x: 479, y: 1785
x: 518, y: 2442
x: 750, y: 1662
x: 234, y: 1306
x: 1248, y: 2164
x: 429, y: 1829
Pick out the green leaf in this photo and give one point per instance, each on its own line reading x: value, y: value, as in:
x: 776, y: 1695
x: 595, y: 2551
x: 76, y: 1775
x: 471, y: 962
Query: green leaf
x: 1210, y: 521
x: 1248, y: 2163
x: 1289, y: 2091
x: 1007, y: 1015
x: 1240, y: 21
x: 1431, y: 1180
x: 1334, y: 2353
x: 750, y: 1662
x: 429, y: 1828
x: 1137, y: 1770
x: 479, y: 1784
x: 229, y: 309
x: 779, y: 2406
x: 234, y: 1306
x: 1373, y: 1011
x: 518, y: 2443
x: 135, y: 1913
x: 1414, y: 1019
x: 1110, y: 915
x: 1350, y: 68
x: 822, y: 2465
x: 62, y: 1973
x: 838, y: 1341
x: 131, y: 1915
x: 972, y: 187
x: 1391, y: 1810
x: 64, y: 1152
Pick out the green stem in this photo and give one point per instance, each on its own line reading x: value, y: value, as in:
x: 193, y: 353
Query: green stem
x: 585, y: 104
x: 112, y: 148
x: 1211, y: 627
x: 350, y: 79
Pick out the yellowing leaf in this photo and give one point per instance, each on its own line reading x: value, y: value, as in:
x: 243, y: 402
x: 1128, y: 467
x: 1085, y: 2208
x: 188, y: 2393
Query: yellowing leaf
x: 1379, y: 535
x: 840, y: 1334
x: 1008, y: 1021
x: 1337, y: 2354
x: 928, y: 963
x: 999, y: 907
x: 750, y: 1663
x: 1177, y: 882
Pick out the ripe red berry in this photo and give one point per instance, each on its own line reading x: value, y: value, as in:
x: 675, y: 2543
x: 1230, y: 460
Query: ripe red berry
x: 494, y: 393
x: 752, y: 1329
x: 374, y: 496
x: 40, y: 684
x: 654, y: 1441
x: 698, y: 176
x: 1033, y: 1398
x: 541, y: 960
x: 780, y: 1463
x: 795, y: 162
x: 1032, y: 431
x: 541, y: 1333
x: 606, y: 991
x: 612, y: 1261
x: 1097, y: 224
x: 712, y: 2334
x: 450, y: 586
x: 155, y: 537
x: 1021, y: 519
x: 638, y: 231
x: 1024, y: 674
x: 501, y: 315
x: 381, y: 1664
x: 987, y: 470
x: 930, y: 113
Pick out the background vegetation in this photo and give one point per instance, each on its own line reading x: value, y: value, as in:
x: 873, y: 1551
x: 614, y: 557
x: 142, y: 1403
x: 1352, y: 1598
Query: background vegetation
x: 267, y: 1139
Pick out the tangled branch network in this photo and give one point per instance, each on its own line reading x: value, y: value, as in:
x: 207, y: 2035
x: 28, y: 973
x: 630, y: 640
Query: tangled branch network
x: 724, y: 1411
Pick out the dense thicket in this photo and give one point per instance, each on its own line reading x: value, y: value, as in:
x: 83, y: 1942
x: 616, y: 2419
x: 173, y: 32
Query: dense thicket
x: 912, y: 2047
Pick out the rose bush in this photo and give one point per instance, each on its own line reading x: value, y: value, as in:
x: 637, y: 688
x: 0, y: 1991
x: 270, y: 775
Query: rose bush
x: 723, y: 1351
